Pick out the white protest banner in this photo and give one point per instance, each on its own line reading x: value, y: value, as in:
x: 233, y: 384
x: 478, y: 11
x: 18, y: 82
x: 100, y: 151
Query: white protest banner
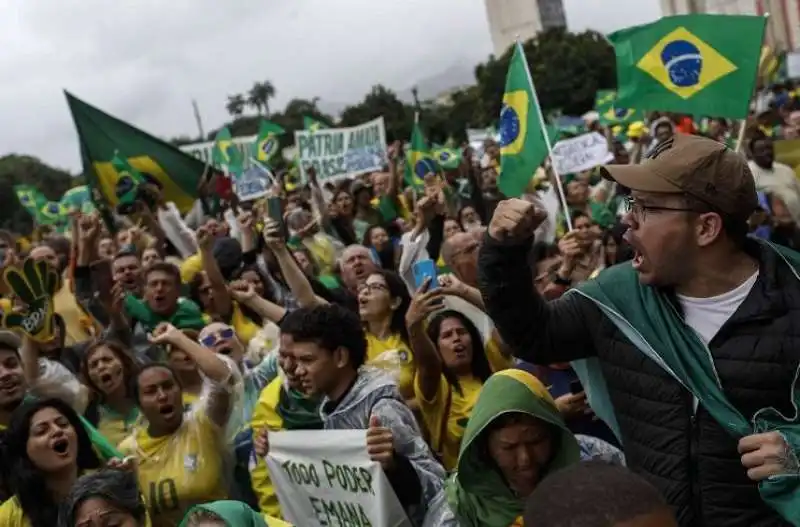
x: 254, y: 182
x: 202, y: 151
x: 340, y: 152
x: 325, y: 478
x: 580, y: 153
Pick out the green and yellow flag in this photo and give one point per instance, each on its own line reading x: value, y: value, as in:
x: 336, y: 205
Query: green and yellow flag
x: 692, y: 64
x: 447, y: 157
x: 31, y: 199
x: 225, y: 154
x: 610, y: 114
x: 267, y: 143
x: 102, y: 135
x: 522, y: 142
x: 312, y: 125
x: 420, y: 159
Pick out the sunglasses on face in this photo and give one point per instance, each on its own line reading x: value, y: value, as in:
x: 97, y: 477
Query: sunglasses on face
x: 212, y: 339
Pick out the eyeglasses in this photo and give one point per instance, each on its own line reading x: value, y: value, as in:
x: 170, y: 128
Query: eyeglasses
x: 640, y: 210
x: 372, y: 287
x: 212, y: 339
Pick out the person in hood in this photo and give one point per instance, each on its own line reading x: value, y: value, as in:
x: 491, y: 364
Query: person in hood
x: 330, y: 348
x: 514, y: 439
x: 228, y: 513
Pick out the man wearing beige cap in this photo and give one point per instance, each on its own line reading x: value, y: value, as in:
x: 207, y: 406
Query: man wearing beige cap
x: 686, y: 343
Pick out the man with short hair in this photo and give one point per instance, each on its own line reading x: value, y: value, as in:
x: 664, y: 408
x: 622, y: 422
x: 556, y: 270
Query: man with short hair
x: 597, y: 494
x: 329, y: 347
x: 460, y: 254
x: 702, y: 321
x: 772, y: 177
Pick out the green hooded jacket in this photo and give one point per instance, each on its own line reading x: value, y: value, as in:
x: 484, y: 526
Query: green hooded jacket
x: 235, y: 513
x: 476, y: 493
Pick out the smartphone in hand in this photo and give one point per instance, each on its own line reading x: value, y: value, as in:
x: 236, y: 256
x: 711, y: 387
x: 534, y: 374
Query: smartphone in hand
x: 425, y: 269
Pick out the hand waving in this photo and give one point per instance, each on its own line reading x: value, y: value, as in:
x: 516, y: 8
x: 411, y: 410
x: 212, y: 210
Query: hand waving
x: 34, y: 284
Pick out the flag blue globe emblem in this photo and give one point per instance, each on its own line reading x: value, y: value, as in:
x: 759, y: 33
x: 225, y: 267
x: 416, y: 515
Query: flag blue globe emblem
x: 25, y: 199
x: 424, y: 166
x: 509, y: 125
x: 444, y: 157
x: 52, y: 208
x: 268, y: 145
x: 620, y: 112
x: 683, y: 63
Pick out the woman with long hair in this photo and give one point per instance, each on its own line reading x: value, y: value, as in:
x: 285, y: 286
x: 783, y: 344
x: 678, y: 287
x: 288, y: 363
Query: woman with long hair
x: 383, y: 300
x: 181, y: 455
x: 105, y: 367
x: 451, y: 369
x: 45, y: 450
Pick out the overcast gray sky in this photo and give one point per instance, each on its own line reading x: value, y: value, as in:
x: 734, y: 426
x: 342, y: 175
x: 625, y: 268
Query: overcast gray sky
x: 145, y: 61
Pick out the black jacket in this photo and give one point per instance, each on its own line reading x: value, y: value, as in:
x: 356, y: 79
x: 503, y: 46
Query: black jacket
x: 686, y: 455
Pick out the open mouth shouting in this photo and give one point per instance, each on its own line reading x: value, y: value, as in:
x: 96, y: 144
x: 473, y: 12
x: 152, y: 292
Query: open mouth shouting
x: 60, y: 446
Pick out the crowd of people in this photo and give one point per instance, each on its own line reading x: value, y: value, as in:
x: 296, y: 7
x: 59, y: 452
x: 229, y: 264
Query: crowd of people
x: 531, y: 380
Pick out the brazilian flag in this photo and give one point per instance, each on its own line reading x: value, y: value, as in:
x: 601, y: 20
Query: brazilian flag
x: 312, y: 125
x: 53, y: 213
x: 101, y: 136
x: 225, y: 154
x: 691, y: 64
x: 523, y: 146
x: 31, y: 199
x: 420, y: 160
x: 267, y: 143
x: 610, y: 114
x: 447, y: 157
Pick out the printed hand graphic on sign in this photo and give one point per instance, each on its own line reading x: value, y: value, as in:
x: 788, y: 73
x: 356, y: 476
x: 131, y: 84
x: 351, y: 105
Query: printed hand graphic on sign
x: 34, y: 283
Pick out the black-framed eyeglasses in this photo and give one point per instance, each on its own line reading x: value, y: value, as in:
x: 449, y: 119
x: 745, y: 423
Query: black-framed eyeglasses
x: 639, y: 210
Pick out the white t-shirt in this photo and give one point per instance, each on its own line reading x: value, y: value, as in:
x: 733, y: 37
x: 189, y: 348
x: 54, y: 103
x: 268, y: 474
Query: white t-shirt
x: 707, y: 315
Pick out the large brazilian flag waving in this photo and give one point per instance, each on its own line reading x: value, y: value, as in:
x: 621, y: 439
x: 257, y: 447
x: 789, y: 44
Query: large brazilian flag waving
x: 692, y: 64
x: 103, y: 137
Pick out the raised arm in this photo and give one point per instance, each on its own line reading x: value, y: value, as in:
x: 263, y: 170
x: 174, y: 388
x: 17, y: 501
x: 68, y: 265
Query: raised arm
x: 536, y: 330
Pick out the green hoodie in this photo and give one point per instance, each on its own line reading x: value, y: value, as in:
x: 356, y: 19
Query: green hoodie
x: 235, y: 513
x: 477, y: 493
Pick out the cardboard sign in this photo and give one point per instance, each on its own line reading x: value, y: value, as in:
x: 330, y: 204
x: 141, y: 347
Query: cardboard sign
x: 325, y: 478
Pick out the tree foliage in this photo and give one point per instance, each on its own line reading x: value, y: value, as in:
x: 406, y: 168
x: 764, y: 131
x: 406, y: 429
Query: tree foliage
x: 27, y: 170
x: 567, y: 70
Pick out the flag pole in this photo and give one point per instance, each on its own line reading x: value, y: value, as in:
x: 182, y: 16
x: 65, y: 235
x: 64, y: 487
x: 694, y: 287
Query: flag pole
x: 743, y: 123
x: 559, y: 185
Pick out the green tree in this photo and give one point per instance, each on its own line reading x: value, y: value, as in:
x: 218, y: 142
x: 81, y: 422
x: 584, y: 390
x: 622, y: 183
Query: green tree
x: 567, y: 70
x: 235, y: 105
x: 380, y: 101
x: 20, y: 169
x: 259, y: 95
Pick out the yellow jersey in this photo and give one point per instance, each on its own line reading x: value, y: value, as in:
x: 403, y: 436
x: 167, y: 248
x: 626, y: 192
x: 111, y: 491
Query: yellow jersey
x: 189, y: 399
x: 272, y: 521
x: 245, y: 328
x: 11, y: 514
x: 447, y: 414
x: 265, y: 415
x: 190, y: 267
x: 392, y: 354
x: 77, y: 324
x: 494, y: 355
x: 116, y: 427
x: 181, y: 470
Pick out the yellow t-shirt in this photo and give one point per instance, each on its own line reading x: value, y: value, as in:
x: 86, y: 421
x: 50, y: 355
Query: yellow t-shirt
x: 116, y: 427
x: 11, y: 514
x: 392, y: 353
x: 189, y: 399
x: 181, y: 470
x: 265, y: 415
x: 76, y: 322
x: 456, y: 410
x: 497, y: 361
x: 190, y: 267
x: 276, y: 522
x: 245, y: 328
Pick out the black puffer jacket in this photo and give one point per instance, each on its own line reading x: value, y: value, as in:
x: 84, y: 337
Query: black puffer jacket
x: 687, y: 456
